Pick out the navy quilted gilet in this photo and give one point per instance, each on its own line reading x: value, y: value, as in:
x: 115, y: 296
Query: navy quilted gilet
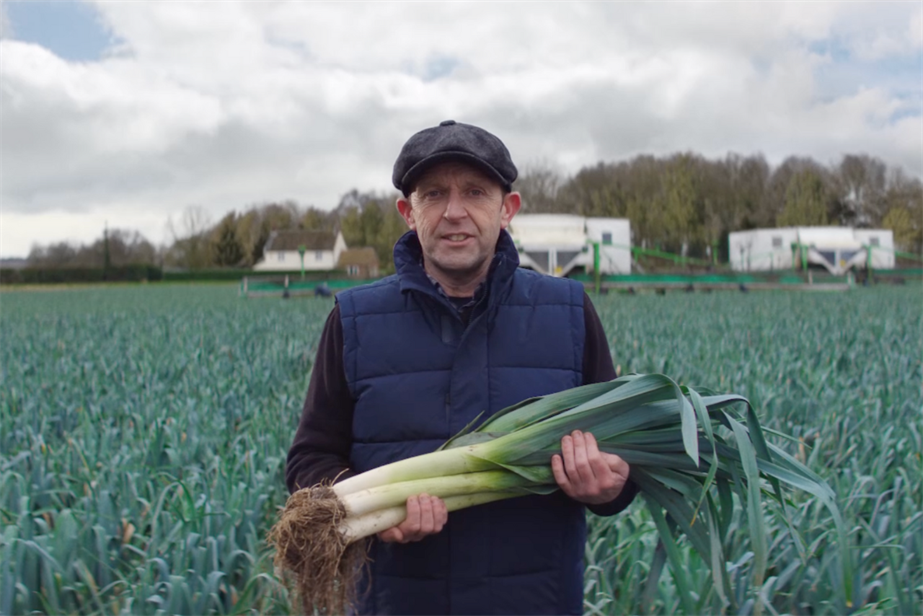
x: 419, y: 375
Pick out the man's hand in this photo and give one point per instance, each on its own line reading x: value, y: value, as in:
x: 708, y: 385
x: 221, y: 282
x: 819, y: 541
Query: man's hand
x: 585, y: 473
x: 426, y: 515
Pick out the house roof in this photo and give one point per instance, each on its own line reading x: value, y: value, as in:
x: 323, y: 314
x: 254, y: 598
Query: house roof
x: 289, y: 241
x: 358, y: 256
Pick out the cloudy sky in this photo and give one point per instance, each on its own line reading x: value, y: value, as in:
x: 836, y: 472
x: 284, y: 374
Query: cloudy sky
x: 128, y: 112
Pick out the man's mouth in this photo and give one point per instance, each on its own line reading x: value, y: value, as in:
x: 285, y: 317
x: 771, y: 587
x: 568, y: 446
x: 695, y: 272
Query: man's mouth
x: 456, y: 237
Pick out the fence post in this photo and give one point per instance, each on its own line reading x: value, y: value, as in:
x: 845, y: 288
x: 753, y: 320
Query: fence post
x: 597, y: 275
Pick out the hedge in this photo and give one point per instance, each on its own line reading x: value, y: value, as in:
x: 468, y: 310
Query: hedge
x: 45, y: 275
x: 136, y: 273
x: 237, y: 275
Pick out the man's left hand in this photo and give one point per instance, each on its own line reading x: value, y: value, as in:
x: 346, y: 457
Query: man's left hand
x: 587, y: 474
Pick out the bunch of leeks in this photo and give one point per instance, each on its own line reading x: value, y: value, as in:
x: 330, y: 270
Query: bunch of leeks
x: 694, y: 457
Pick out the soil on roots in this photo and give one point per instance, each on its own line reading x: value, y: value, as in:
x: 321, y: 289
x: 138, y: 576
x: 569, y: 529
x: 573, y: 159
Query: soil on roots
x: 312, y: 554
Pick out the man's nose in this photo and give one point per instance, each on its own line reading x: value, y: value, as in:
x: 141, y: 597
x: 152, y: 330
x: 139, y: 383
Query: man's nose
x: 455, y: 208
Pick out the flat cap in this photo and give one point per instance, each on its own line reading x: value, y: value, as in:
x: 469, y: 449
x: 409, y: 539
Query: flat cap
x: 452, y: 140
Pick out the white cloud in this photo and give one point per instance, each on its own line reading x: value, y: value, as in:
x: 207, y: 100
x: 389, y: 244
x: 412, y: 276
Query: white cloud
x: 892, y: 31
x: 915, y: 30
x: 76, y: 227
x: 223, y: 105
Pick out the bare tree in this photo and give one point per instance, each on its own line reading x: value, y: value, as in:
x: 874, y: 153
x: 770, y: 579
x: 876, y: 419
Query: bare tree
x: 190, y: 247
x: 59, y: 254
x: 858, y: 190
x: 539, y: 185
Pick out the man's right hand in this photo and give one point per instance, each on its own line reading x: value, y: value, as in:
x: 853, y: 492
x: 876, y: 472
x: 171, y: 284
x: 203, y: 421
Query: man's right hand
x: 426, y: 515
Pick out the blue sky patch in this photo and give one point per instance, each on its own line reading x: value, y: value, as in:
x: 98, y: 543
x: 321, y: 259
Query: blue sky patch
x: 71, y: 30
x: 846, y: 74
x: 439, y: 66
x: 432, y: 68
x: 899, y: 115
x: 835, y: 48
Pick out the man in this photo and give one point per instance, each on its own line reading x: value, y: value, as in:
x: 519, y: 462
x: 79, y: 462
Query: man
x: 408, y: 361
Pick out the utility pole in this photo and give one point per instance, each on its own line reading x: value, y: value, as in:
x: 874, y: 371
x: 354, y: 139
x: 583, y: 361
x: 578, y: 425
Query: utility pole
x: 106, y: 256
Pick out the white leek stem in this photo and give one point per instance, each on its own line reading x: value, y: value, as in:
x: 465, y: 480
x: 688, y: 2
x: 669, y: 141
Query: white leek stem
x: 355, y: 528
x: 394, y: 494
x: 436, y: 464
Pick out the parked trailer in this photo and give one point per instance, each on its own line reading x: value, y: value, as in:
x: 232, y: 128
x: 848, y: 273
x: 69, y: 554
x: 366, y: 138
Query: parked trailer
x: 836, y: 249
x: 563, y: 244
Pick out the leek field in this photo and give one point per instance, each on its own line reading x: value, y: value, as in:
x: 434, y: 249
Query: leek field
x: 143, y: 434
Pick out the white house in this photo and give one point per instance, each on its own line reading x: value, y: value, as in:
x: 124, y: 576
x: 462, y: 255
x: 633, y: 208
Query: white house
x: 835, y: 248
x: 561, y: 244
x: 282, y: 251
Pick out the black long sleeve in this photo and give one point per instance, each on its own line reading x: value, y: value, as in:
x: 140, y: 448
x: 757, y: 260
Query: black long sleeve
x: 320, y: 451
x: 597, y: 367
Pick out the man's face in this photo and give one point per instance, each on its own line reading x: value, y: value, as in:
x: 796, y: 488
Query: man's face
x: 458, y: 212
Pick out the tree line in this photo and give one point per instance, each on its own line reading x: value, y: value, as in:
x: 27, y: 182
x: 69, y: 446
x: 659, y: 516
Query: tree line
x: 682, y: 203
x: 238, y: 239
x: 687, y: 203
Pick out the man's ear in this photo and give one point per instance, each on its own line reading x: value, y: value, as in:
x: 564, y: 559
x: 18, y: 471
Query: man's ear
x: 406, y: 211
x: 511, y: 204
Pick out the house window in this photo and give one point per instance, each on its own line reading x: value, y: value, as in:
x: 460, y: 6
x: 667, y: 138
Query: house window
x: 281, y: 255
x: 873, y: 241
x: 607, y: 238
x: 352, y: 270
x: 777, y: 241
x: 319, y: 255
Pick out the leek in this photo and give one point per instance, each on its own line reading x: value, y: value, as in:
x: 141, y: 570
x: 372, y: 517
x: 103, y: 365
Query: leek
x: 688, y: 453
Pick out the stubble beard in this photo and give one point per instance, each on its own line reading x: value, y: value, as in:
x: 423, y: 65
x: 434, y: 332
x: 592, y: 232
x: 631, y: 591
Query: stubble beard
x: 459, y: 275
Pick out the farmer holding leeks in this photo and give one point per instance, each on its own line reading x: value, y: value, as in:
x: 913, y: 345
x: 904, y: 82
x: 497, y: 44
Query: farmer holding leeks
x: 457, y: 334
